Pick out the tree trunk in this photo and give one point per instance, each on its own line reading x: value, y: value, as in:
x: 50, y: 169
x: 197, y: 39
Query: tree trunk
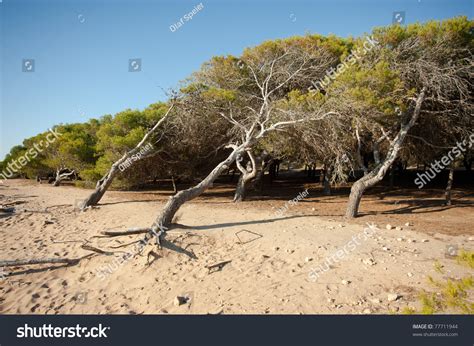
x: 392, y: 177
x: 175, y: 202
x: 175, y: 189
x: 101, y: 187
x: 327, y: 180
x: 358, y: 155
x: 57, y: 180
x: 124, y: 162
x: 449, y: 185
x: 259, y: 179
x: 61, y: 176
x: 241, y: 189
x: 377, y: 174
x: 247, y: 175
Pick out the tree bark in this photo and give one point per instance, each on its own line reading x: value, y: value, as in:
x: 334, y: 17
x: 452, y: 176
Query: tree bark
x: 327, y: 180
x: 259, y: 179
x: 359, y: 158
x: 248, y: 173
x: 102, y: 186
x: 392, y: 177
x: 60, y: 177
x: 378, y: 173
x: 104, y: 183
x: 175, y: 189
x: 163, y: 221
x: 449, y: 185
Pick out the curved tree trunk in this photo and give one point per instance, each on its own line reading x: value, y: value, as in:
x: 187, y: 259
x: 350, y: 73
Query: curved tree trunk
x: 101, y: 187
x: 377, y: 174
x: 241, y: 189
x: 175, y: 202
x: 247, y: 175
x: 449, y: 185
x: 61, y: 176
x: 122, y: 164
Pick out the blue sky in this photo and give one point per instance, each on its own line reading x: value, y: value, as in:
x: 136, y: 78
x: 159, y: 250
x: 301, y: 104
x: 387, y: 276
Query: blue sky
x: 82, y: 48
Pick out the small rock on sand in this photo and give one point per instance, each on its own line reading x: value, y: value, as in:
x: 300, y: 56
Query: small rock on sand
x: 179, y: 300
x: 389, y: 227
x: 369, y: 261
x: 391, y: 297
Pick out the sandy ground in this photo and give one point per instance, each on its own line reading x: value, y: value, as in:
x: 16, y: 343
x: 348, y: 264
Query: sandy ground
x: 272, y: 258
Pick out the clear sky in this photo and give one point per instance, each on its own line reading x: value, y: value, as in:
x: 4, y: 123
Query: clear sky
x: 81, y: 49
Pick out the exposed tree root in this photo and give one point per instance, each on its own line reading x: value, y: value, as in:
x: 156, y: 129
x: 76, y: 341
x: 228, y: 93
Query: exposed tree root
x: 130, y: 231
x: 13, y: 263
x: 97, y: 250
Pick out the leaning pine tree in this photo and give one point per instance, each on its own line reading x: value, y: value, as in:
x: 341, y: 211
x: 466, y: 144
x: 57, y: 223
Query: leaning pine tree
x: 104, y: 183
x: 426, y: 72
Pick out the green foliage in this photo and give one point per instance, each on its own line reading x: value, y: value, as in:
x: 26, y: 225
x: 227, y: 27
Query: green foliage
x: 371, y: 92
x: 466, y: 258
x: 452, y: 294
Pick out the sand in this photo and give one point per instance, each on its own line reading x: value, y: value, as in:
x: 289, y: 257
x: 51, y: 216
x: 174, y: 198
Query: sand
x: 271, y: 258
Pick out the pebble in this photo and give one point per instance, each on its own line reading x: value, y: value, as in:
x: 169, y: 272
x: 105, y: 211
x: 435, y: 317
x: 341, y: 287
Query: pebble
x: 345, y: 282
x: 385, y: 248
x: 376, y: 301
x: 409, y: 275
x: 369, y: 261
x: 424, y: 240
x: 408, y: 224
x: 367, y: 311
x: 308, y: 259
x: 411, y: 240
x: 178, y: 300
x: 399, y: 239
x: 471, y: 239
x: 389, y: 227
x: 330, y: 300
x: 398, y: 228
x: 391, y: 297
